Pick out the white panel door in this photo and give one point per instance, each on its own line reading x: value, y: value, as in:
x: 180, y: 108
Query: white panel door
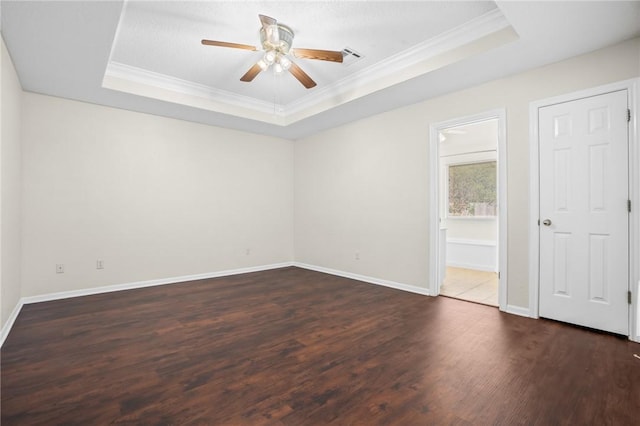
x: 584, y: 219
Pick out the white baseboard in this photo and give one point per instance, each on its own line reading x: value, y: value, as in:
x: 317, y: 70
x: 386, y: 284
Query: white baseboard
x: 149, y: 283
x: 127, y: 286
x: 518, y: 310
x: 370, y: 280
x: 6, y: 328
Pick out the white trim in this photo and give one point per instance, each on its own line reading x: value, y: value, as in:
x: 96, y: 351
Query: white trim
x: 150, y: 78
x: 636, y: 320
x: 364, y: 278
x: 150, y: 283
x: 534, y: 211
x: 397, y: 65
x: 470, y: 158
x: 631, y: 86
x: 434, y: 201
x: 464, y: 218
x: 127, y: 286
x: 435, y: 222
x: 634, y: 194
x: 460, y: 160
x: 116, y: 36
x: 502, y: 211
x: 484, y: 32
x: 6, y: 328
x: 518, y: 310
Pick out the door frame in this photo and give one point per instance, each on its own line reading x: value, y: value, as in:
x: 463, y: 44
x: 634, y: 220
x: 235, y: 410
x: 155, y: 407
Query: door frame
x: 434, y: 198
x: 631, y: 86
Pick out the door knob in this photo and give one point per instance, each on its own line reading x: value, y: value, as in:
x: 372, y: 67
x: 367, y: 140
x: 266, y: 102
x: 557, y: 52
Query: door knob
x: 546, y: 222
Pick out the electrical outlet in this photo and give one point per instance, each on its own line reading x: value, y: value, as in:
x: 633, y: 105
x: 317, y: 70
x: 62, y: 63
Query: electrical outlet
x: 357, y: 255
x: 247, y: 252
x: 59, y: 268
x: 99, y: 264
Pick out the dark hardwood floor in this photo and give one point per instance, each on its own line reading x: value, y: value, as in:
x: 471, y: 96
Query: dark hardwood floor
x: 297, y: 347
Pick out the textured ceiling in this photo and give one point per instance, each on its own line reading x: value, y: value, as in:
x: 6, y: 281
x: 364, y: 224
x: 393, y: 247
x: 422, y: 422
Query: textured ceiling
x: 157, y: 51
x: 152, y: 51
x: 164, y: 37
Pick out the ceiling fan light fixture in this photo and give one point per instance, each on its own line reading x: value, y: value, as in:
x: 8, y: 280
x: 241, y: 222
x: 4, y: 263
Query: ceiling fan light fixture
x: 276, y: 40
x: 284, y: 62
x: 263, y: 65
x: 270, y: 57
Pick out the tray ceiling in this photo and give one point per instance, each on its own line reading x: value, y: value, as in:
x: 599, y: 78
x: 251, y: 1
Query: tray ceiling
x: 157, y: 51
x: 146, y: 55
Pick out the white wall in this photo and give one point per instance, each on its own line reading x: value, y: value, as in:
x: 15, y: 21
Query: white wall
x: 364, y: 186
x: 480, y: 255
x: 10, y: 181
x: 485, y: 229
x: 152, y: 197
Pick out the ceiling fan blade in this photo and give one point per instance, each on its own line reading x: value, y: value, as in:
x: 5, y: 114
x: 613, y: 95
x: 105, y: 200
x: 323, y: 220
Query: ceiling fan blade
x: 226, y: 44
x: 302, y: 76
x: 323, y: 55
x: 270, y: 26
x: 251, y: 74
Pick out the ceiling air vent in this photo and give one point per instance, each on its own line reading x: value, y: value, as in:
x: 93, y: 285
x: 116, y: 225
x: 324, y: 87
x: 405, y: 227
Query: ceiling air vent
x: 350, y: 56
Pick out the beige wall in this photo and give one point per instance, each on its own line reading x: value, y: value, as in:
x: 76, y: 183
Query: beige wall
x: 152, y: 197
x: 157, y: 198
x: 364, y: 186
x: 10, y: 181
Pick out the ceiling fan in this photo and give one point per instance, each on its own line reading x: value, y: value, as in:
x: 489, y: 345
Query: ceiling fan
x: 276, y: 40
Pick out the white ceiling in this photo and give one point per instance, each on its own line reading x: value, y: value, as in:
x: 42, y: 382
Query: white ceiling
x: 469, y: 138
x: 157, y: 51
x: 146, y: 56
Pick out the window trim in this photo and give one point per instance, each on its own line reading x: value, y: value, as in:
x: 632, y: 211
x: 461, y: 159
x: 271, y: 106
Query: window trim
x: 459, y: 160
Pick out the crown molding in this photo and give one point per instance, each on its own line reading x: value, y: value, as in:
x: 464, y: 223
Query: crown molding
x: 120, y: 70
x: 138, y: 81
x: 493, y: 22
x: 480, y: 34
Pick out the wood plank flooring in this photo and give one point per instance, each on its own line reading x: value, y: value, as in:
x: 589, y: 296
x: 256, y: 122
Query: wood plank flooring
x: 296, y: 347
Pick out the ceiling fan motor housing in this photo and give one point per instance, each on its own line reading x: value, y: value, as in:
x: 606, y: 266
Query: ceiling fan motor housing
x: 282, y: 43
x: 276, y: 40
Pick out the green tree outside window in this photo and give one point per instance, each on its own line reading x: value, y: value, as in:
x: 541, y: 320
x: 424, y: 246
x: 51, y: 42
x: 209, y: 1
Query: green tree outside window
x: 472, y: 189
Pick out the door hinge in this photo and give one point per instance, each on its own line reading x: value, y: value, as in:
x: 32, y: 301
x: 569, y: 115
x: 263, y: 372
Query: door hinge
x: 629, y: 296
x: 498, y: 274
x: 628, y: 115
x: 538, y: 222
x: 629, y: 205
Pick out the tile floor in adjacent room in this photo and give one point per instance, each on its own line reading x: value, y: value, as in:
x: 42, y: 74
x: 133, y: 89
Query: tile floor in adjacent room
x: 471, y: 285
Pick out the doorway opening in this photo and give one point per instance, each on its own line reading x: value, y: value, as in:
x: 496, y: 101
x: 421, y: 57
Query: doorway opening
x: 468, y: 205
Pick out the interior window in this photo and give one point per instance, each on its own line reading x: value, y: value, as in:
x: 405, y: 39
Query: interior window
x: 472, y: 189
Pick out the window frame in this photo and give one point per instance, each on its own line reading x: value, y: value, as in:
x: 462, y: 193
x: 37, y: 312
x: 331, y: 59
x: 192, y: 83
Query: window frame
x: 460, y: 160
